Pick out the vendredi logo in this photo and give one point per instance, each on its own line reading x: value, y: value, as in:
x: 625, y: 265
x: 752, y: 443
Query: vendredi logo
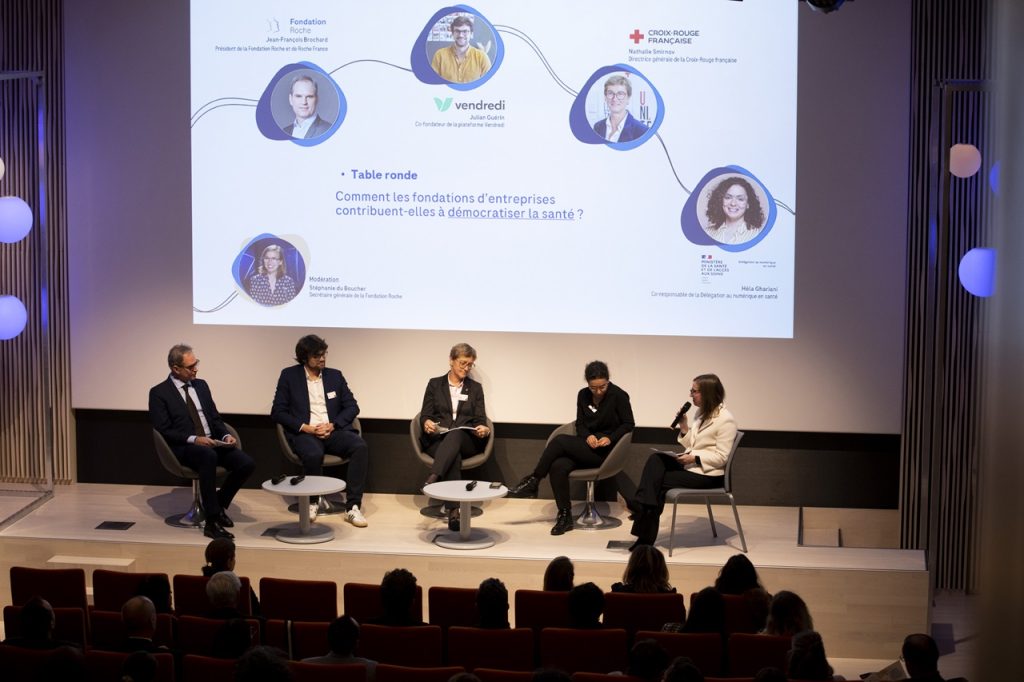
x: 443, y: 104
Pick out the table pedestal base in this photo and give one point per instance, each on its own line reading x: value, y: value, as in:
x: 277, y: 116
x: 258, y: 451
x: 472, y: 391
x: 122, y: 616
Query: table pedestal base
x: 294, y: 534
x: 477, y: 539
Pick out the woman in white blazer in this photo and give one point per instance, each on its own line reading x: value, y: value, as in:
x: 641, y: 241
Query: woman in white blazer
x: 707, y: 443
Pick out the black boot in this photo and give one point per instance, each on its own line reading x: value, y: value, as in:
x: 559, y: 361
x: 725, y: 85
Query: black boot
x: 526, y: 488
x: 563, y: 523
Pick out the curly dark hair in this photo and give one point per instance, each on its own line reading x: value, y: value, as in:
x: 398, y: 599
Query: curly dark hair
x: 308, y: 346
x: 754, y: 216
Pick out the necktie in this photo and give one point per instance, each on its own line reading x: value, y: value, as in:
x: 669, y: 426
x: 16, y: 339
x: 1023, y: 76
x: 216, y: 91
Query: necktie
x: 193, y: 412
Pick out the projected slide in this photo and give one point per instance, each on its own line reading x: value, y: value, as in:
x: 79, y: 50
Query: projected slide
x: 561, y: 167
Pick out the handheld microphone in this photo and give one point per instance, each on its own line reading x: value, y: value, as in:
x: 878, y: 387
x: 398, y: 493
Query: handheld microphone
x: 679, y: 415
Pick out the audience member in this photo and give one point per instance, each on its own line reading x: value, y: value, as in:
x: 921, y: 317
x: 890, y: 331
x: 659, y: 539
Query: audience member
x: 220, y: 556
x: 158, y: 589
x: 492, y: 604
x: 759, y: 604
x: 770, y: 674
x: 646, y: 572
x: 222, y: 591
x: 807, y: 659
x: 140, y: 666
x: 737, y: 576
x: 233, y: 639
x: 263, y: 664
x: 788, y: 615
x: 342, y: 637
x: 138, y: 615
x: 586, y: 603
x: 647, y: 660
x: 397, y: 598
x: 551, y: 675
x: 921, y: 658
x: 707, y: 612
x: 682, y: 669
x: 35, y: 626
x: 559, y: 575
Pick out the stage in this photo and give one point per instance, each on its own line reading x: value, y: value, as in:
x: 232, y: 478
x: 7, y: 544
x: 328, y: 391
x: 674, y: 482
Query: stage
x: 864, y: 601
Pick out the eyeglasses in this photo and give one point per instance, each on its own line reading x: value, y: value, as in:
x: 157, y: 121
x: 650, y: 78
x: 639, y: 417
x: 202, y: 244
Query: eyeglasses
x: 616, y: 95
x: 598, y: 388
x: 190, y: 368
x: 694, y: 391
x: 465, y: 364
x: 319, y: 356
x: 463, y: 31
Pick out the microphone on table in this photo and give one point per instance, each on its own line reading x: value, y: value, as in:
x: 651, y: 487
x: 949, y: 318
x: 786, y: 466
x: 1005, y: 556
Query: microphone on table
x: 679, y: 415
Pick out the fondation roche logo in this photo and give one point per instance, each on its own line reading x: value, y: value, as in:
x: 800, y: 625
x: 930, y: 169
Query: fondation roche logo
x: 443, y: 104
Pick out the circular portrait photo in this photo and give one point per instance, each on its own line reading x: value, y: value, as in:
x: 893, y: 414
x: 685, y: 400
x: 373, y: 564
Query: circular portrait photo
x: 271, y: 271
x: 461, y: 48
x: 304, y: 106
x: 732, y: 209
x: 621, y: 107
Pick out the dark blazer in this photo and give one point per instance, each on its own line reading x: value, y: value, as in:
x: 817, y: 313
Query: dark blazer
x: 170, y: 417
x: 632, y: 129
x: 613, y: 417
x: 437, y: 407
x: 318, y: 128
x: 291, y: 399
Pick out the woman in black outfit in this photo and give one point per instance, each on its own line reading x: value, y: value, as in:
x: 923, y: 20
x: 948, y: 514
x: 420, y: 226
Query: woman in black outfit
x: 603, y: 416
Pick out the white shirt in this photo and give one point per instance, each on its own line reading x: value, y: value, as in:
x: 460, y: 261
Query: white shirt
x: 317, y: 401
x: 737, y: 233
x: 199, y: 406
x: 299, y: 128
x: 456, y: 391
x: 612, y: 134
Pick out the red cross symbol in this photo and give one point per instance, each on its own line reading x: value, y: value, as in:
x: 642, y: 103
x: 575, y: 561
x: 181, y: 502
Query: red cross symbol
x: 636, y: 36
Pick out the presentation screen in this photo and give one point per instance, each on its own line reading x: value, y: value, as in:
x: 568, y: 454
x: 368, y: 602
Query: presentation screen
x: 561, y: 167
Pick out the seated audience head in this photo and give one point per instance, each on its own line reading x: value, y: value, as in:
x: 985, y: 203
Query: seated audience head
x: 263, y: 664
x: 140, y: 666
x: 682, y: 669
x: 139, y: 617
x: 737, y: 576
x: 559, y: 575
x: 222, y: 590
x: 158, y: 589
x: 759, y: 604
x: 586, y: 603
x: 788, y: 615
x: 807, y: 659
x: 646, y: 570
x: 342, y: 635
x: 233, y: 639
x: 770, y: 674
x: 37, y: 620
x: 397, y: 594
x: 920, y: 655
x: 220, y: 556
x: 707, y: 612
x: 647, y: 660
x: 492, y: 604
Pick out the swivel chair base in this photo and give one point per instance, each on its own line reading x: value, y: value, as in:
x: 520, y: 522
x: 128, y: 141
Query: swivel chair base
x: 589, y: 518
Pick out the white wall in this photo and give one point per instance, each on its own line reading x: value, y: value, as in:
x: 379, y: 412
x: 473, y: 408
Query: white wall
x: 127, y: 107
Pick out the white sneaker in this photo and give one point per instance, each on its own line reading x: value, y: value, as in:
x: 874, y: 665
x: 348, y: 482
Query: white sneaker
x: 355, y: 517
x: 314, y: 509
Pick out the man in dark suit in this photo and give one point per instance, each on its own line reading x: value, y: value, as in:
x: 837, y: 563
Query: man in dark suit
x: 303, y: 97
x: 139, y: 617
x: 316, y: 408
x: 182, y: 410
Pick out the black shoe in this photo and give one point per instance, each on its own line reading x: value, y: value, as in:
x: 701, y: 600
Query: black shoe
x: 432, y: 478
x: 563, y: 523
x: 453, y: 520
x: 214, y: 530
x: 224, y: 520
x: 526, y: 488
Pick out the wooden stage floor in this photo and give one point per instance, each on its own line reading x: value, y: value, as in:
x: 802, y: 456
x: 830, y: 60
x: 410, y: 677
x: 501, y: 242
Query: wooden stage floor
x: 864, y: 601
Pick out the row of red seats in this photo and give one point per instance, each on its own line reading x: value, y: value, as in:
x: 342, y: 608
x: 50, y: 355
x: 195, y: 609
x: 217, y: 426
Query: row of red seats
x: 313, y: 600
x: 424, y: 646
x: 24, y: 665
